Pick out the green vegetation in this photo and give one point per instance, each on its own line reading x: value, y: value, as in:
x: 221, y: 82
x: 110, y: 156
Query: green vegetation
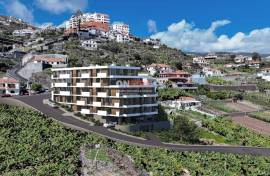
x: 100, y: 153
x: 134, y: 53
x: 265, y: 115
x: 263, y: 85
x: 235, y: 134
x: 258, y: 98
x: 217, y: 81
x: 170, y: 93
x: 36, y: 87
x: 220, y: 129
x: 220, y: 95
x: 205, y: 134
x: 219, y: 105
x: 31, y: 144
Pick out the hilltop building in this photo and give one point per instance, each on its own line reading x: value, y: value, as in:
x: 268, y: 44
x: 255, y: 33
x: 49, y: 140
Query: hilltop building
x: 88, y: 21
x: 120, y: 27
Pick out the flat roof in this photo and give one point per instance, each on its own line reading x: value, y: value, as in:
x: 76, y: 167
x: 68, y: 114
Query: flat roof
x: 96, y: 67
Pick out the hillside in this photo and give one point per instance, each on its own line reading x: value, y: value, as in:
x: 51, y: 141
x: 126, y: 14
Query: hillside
x: 8, y: 25
x: 134, y: 53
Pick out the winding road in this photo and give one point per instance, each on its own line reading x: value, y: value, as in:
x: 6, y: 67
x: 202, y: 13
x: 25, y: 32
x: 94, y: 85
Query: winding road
x: 36, y: 101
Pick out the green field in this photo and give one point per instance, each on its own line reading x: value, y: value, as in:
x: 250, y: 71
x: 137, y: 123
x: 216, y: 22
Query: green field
x: 264, y: 116
x: 219, y: 105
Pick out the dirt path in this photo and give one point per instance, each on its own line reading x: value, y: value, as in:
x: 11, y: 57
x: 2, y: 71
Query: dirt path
x: 253, y: 124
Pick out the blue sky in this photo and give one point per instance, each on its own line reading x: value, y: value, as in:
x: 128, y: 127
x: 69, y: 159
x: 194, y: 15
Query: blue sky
x: 156, y: 16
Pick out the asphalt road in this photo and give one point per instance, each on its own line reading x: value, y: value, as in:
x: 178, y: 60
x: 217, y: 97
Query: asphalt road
x: 36, y: 101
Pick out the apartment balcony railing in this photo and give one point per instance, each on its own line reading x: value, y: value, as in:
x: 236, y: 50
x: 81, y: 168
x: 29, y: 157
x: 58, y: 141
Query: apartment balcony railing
x: 102, y: 113
x: 85, y: 111
x: 80, y: 84
x: 65, y: 93
x: 87, y: 94
x: 102, y: 94
x: 81, y: 103
x: 64, y: 76
x: 102, y: 75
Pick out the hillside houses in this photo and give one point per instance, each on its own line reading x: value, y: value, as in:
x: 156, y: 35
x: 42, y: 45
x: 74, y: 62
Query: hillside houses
x: 158, y: 68
x: 209, y: 72
x: 23, y: 32
x: 9, y: 86
x: 97, y: 26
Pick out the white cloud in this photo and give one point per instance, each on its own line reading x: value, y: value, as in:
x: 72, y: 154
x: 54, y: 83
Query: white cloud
x: 19, y: 10
x: 185, y: 36
x: 60, y: 6
x: 152, y: 26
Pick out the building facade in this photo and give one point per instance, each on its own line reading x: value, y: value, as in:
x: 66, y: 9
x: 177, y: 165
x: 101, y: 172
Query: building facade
x: 90, y: 44
x: 88, y: 21
x: 121, y: 28
x: 106, y: 93
x: 9, y: 86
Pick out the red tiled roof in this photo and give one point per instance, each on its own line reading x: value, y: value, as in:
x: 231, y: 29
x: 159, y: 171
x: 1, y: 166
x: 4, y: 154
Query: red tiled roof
x: 178, y: 72
x: 48, y: 59
x: 8, y: 80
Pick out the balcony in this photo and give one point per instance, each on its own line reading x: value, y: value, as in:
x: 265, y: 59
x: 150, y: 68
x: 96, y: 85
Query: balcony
x: 85, y: 111
x: 81, y: 103
x: 64, y: 76
x: 85, y: 75
x: 102, y: 113
x: 102, y: 75
x: 117, y: 104
x: 95, y: 103
x: 60, y: 84
x: 80, y: 84
x: 65, y: 93
x: 86, y: 94
x: 102, y: 94
x: 96, y: 84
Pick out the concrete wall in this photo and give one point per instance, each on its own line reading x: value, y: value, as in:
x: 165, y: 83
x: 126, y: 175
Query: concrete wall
x: 145, y: 126
x: 30, y: 68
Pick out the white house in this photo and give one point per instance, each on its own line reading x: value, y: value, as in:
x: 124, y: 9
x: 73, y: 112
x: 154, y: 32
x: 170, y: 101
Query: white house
x: 9, y: 86
x: 23, y: 32
x: 210, y: 56
x: 264, y: 74
x: 200, y: 61
x: 208, y: 72
x: 242, y: 59
x: 185, y: 103
x: 90, y: 44
x: 158, y: 68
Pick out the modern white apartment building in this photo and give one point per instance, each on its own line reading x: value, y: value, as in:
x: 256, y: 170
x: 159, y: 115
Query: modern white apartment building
x: 106, y: 93
x: 88, y: 21
x: 9, y: 86
x: 120, y: 27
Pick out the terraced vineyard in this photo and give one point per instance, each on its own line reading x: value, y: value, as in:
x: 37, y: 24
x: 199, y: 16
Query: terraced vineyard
x: 31, y: 144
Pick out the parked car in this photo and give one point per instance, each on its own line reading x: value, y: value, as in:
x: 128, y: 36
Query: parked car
x: 5, y: 95
x: 111, y: 124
